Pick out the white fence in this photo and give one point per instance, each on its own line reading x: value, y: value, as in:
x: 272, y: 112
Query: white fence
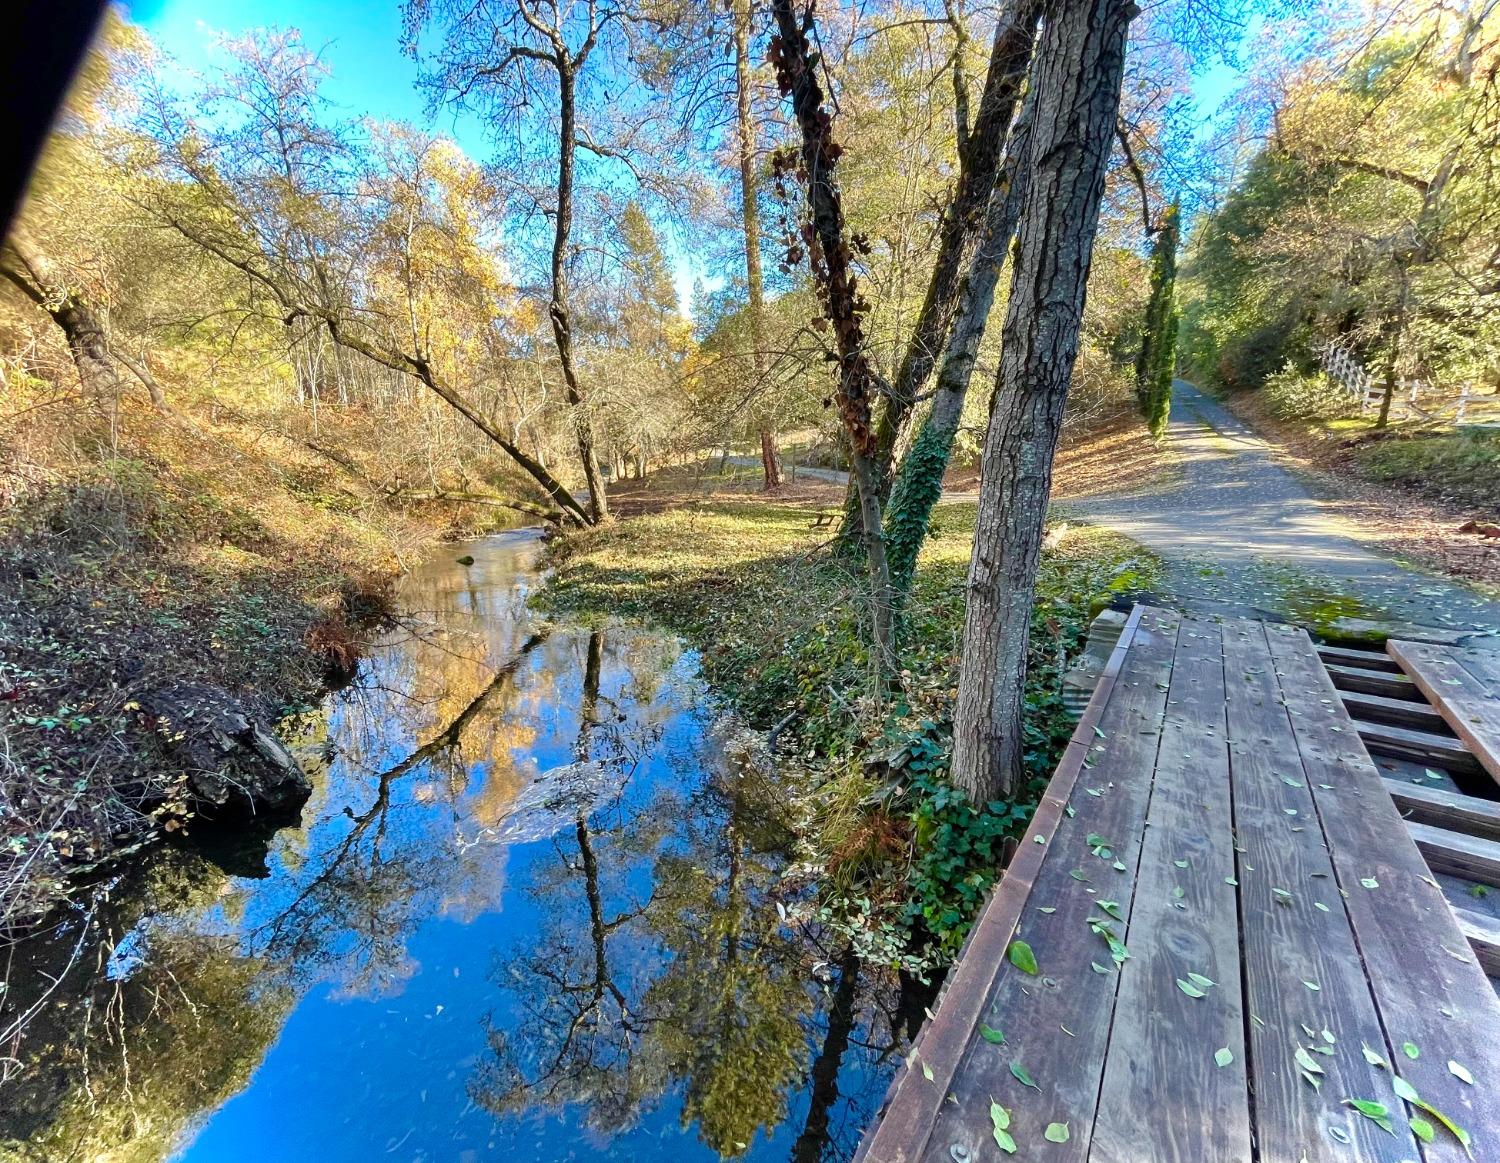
x: 1414, y: 399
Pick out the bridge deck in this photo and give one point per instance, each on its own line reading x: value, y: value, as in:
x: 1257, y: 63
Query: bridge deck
x: 1234, y: 939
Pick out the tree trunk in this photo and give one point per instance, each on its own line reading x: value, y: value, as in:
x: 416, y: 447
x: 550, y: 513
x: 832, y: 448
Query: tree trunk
x: 83, y: 329
x: 423, y: 371
x: 559, y: 309
x: 979, y: 154
x: 1398, y: 331
x: 919, y: 485
x: 770, y: 456
x: 1080, y: 61
x: 830, y: 260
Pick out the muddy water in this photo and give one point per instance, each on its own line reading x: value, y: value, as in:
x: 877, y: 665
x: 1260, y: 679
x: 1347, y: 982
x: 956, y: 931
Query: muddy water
x: 529, y: 914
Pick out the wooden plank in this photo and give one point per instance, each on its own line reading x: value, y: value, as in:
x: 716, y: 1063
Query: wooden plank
x: 1429, y: 989
x: 1445, y: 809
x: 1482, y: 664
x: 1457, y: 854
x: 1373, y: 682
x: 1419, y: 747
x: 1363, y: 659
x: 1484, y: 937
x: 913, y: 1101
x: 1033, y: 1011
x: 1164, y: 1096
x: 1285, y: 873
x: 1456, y: 684
x: 1400, y: 712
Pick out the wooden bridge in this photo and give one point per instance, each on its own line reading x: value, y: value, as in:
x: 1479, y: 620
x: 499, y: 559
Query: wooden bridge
x: 1219, y: 940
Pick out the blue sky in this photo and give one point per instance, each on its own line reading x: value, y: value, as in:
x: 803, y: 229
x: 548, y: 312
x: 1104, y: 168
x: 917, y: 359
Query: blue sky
x: 360, y: 41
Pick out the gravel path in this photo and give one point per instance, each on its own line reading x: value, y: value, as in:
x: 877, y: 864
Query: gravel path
x: 1234, y: 524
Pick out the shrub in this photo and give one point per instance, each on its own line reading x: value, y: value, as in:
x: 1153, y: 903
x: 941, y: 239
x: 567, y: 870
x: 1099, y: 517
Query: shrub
x: 1294, y: 395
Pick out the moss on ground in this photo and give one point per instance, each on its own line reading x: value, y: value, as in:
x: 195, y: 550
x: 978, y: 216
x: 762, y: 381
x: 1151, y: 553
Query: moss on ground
x: 779, y: 621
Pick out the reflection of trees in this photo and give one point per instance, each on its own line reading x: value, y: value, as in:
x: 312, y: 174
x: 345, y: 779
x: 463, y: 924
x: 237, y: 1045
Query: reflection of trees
x: 113, y: 1065
x: 357, y: 906
x: 824, y: 1076
x: 616, y: 1001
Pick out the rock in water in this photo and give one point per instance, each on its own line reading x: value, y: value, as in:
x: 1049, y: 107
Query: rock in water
x: 235, y: 766
x: 557, y: 798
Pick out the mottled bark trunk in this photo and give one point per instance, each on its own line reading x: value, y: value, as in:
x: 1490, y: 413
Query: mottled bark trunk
x: 919, y: 484
x: 1080, y: 61
x: 770, y: 455
x: 559, y: 310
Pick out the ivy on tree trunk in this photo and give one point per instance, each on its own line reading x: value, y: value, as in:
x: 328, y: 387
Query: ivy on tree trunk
x: 1156, y: 364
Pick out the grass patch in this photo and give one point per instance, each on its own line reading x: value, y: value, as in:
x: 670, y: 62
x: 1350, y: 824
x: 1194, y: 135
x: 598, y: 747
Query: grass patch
x: 1463, y: 467
x: 901, y: 860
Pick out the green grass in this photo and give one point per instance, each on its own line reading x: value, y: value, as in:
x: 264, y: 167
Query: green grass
x: 1463, y: 467
x: 780, y: 624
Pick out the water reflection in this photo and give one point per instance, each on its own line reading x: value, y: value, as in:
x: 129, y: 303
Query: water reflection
x: 532, y: 912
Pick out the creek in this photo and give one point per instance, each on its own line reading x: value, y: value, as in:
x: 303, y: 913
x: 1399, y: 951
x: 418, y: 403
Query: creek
x: 535, y: 910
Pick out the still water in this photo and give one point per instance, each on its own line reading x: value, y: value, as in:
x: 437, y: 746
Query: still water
x: 531, y: 913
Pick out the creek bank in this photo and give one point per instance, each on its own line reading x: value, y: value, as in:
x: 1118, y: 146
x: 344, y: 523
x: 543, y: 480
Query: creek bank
x: 143, y: 677
x: 901, y: 860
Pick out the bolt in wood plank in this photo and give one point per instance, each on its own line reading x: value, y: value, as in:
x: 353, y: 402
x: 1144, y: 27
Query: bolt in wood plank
x: 1430, y: 990
x: 1056, y: 1024
x: 1456, y: 683
x: 1302, y: 966
x: 1445, y: 809
x: 1456, y: 854
x: 1165, y: 1097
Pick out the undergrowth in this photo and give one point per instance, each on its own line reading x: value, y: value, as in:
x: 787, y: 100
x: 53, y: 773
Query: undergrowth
x: 1463, y: 468
x: 902, y: 860
x: 188, y: 567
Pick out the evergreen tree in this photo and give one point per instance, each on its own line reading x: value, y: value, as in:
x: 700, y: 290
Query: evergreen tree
x: 1157, y: 362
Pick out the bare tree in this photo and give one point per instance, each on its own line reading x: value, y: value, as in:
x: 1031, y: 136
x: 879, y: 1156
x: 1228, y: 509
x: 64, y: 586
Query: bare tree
x: 1080, y: 62
x: 516, y: 60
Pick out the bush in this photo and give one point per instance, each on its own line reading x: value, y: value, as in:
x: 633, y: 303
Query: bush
x: 1294, y: 395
